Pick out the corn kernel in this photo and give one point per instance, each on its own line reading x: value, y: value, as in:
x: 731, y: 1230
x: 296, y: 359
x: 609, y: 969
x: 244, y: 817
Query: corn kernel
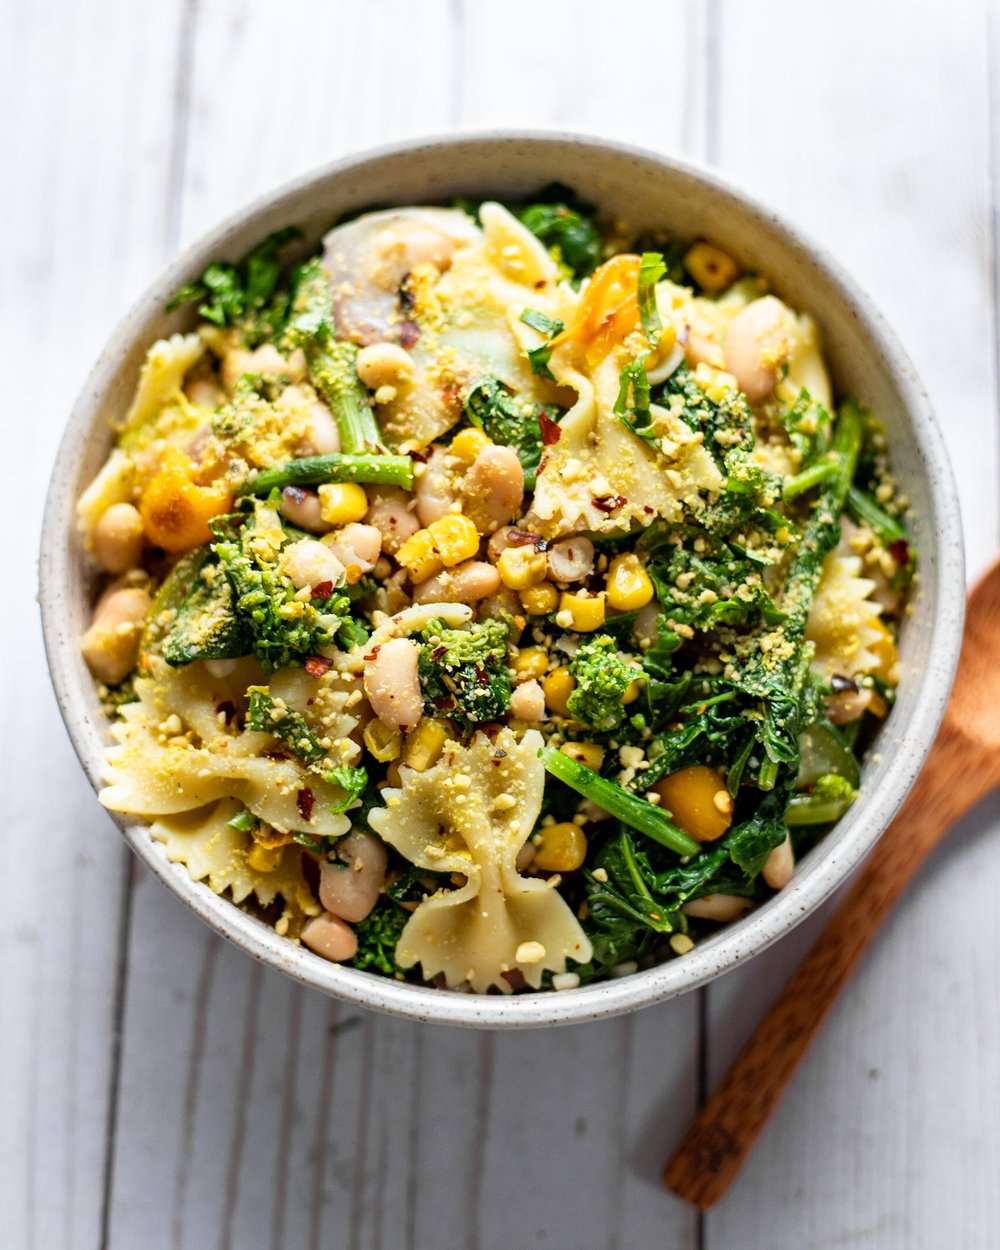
x: 384, y: 743
x: 690, y: 796
x: 539, y: 600
x: 586, y: 611
x: 521, y: 567
x: 884, y: 651
x: 392, y: 776
x: 557, y: 687
x: 342, y: 502
x: 467, y: 444
x: 628, y: 584
x: 561, y: 848
x: 176, y: 512
x: 265, y: 858
x: 711, y: 267
x: 419, y: 556
x: 530, y: 662
x: 455, y: 538
x: 423, y: 745
x: 632, y: 691
x: 716, y: 383
x: 588, y: 753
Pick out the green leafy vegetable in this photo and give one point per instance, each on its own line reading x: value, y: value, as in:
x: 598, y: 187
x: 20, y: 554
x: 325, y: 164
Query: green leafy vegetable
x: 566, y: 226
x: 334, y: 467
x: 830, y: 796
x: 378, y: 935
x: 538, y: 357
x: 602, y: 676
x: 464, y: 673
x: 632, y: 405
x: 353, y: 781
x: 205, y: 625
x: 651, y: 270
x: 273, y: 716
x: 493, y: 407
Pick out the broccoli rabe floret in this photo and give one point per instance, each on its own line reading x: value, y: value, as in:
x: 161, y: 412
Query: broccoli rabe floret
x: 602, y: 676
x: 464, y: 674
x: 378, y: 935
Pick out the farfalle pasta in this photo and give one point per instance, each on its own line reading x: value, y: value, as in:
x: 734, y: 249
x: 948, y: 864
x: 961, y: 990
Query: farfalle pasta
x: 488, y: 601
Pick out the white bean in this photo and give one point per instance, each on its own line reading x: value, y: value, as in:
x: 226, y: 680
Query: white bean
x: 721, y: 907
x: 266, y: 359
x: 466, y: 583
x: 330, y: 937
x: 322, y: 436
x: 849, y: 705
x: 393, y: 685
x: 384, y: 364
x: 205, y: 392
x: 779, y: 865
x: 301, y: 506
x: 757, y: 345
x: 350, y: 888
x: 389, y: 511
x: 703, y: 346
x: 493, y: 488
x: 310, y: 563
x: 571, y: 560
x: 527, y: 701
x: 356, y: 544
x: 434, y: 489
x: 111, y: 644
x: 118, y: 538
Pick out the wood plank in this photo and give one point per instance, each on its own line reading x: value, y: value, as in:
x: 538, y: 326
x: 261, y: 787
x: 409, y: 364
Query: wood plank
x: 85, y: 152
x: 890, y: 1135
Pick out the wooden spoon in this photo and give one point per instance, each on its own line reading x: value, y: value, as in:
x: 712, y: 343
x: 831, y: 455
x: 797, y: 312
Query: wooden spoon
x: 963, y: 765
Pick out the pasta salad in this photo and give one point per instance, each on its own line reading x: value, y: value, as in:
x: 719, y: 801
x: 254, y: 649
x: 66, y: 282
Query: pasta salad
x: 493, y: 600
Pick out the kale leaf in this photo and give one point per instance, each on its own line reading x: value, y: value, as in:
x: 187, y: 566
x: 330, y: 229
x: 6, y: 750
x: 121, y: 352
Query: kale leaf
x: 493, y: 407
x: 566, y: 225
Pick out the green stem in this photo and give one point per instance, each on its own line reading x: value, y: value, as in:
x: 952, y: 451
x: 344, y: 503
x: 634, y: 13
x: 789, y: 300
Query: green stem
x: 628, y: 808
x: 809, y: 478
x: 334, y: 374
x: 863, y: 509
x: 336, y: 467
x: 817, y: 809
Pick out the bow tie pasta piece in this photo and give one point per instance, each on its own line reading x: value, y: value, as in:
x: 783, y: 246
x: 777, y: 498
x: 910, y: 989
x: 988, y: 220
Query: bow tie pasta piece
x: 469, y: 815
x: 212, y: 851
x: 843, y: 619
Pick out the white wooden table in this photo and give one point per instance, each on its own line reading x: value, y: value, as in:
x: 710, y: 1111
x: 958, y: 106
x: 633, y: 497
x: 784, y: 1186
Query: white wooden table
x: 159, y: 1089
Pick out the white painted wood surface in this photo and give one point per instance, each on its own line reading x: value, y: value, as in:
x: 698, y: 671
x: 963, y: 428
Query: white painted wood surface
x: 241, y: 1111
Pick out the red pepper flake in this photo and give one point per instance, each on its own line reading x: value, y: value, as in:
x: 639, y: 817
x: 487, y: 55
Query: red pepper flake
x: 322, y: 590
x: 304, y: 801
x: 609, y: 503
x: 525, y: 538
x: 840, y: 684
x: 514, y: 978
x: 409, y: 332
x: 551, y: 432
x: 900, y: 551
x: 317, y: 665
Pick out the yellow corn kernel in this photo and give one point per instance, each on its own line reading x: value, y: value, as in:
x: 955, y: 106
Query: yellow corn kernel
x: 423, y: 745
x: 560, y: 848
x: 698, y: 802
x: 585, y: 612
x: 342, y: 502
x: 557, y: 687
x: 530, y: 662
x: 716, y: 383
x: 588, y: 753
x: 419, y: 556
x: 455, y: 538
x: 711, y: 267
x: 632, y: 691
x: 521, y: 567
x: 628, y: 584
x: 265, y: 858
x: 539, y: 600
x: 392, y: 777
x: 885, y: 652
x: 467, y: 444
x: 384, y: 743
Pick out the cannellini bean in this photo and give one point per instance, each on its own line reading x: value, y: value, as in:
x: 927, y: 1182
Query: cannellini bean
x: 384, y: 364
x: 330, y: 937
x: 645, y: 623
x: 703, y: 346
x: 722, y: 907
x: 527, y: 701
x: 757, y: 345
x: 779, y: 865
x: 310, y: 563
x: 502, y: 603
x: 118, y: 538
x: 111, y: 644
x: 355, y: 544
x: 393, y: 685
x: 571, y: 560
x: 350, y: 887
x: 301, y: 506
x: 322, y: 436
x: 389, y: 511
x: 205, y: 392
x: 466, y: 583
x: 266, y: 359
x: 493, y: 488
x: 434, y: 489
x: 849, y: 705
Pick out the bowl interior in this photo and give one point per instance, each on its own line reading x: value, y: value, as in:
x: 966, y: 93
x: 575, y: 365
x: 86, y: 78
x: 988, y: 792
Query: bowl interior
x: 647, y: 192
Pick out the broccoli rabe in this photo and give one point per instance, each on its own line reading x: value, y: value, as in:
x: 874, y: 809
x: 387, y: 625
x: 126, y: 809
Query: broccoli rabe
x: 499, y: 413
x: 464, y: 674
x: 378, y: 935
x: 565, y: 224
x: 602, y: 676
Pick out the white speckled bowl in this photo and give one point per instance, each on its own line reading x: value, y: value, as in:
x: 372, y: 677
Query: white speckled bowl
x: 648, y: 191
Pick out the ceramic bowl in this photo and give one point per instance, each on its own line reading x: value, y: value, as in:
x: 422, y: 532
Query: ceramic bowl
x: 648, y: 191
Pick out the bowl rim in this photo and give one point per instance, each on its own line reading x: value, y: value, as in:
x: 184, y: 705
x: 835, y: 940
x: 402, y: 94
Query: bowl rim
x: 733, y: 945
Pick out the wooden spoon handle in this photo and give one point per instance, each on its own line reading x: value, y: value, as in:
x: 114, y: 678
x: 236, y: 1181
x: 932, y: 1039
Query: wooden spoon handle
x: 715, y: 1146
